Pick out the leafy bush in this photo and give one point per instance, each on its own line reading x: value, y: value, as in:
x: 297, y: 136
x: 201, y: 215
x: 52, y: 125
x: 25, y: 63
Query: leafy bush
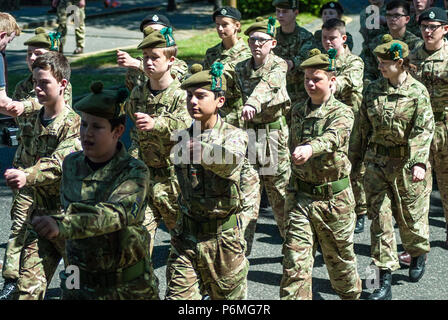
x: 253, y: 8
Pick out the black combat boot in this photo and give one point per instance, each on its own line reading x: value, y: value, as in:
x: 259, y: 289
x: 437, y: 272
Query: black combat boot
x: 360, y: 223
x: 9, y: 291
x: 417, y: 268
x: 384, y: 292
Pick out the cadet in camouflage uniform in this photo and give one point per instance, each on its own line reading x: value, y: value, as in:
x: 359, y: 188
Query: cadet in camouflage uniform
x: 431, y: 59
x: 22, y: 200
x: 397, y: 126
x: 80, y: 26
x: 419, y: 6
x: 48, y: 135
x: 293, y: 44
x: 207, y: 247
x: 262, y: 83
x: 349, y: 86
x: 158, y: 108
x: 331, y: 10
x: 103, y: 193
x: 319, y: 205
x: 135, y: 75
x: 397, y: 17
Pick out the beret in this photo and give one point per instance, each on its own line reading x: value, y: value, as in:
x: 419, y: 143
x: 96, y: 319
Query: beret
x: 228, y: 12
x: 319, y: 60
x: 212, y: 80
x: 155, y: 19
x: 157, y: 39
x: 391, y: 49
x: 262, y: 25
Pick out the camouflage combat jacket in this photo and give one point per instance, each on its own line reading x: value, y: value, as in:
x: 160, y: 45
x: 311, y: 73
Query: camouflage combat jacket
x: 211, y: 189
x: 414, y: 27
x: 327, y: 130
x: 240, y: 51
x: 169, y: 110
x: 369, y: 34
x: 104, y: 212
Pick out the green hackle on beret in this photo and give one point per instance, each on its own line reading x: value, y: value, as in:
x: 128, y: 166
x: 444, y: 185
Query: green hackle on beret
x: 318, y: 60
x: 108, y: 104
x: 43, y: 40
x: 391, y: 49
x: 212, y: 80
x: 157, y: 39
x: 262, y: 25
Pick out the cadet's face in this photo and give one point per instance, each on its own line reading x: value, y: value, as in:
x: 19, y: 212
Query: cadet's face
x: 5, y: 39
x: 98, y: 141
x: 261, y: 44
x: 333, y: 39
x: 328, y: 14
x: 389, y: 68
x: 422, y: 5
x: 47, y: 88
x: 32, y: 54
x: 201, y: 103
x: 286, y: 16
x: 226, y: 27
x: 155, y: 62
x: 317, y: 83
x: 433, y: 32
x: 397, y: 19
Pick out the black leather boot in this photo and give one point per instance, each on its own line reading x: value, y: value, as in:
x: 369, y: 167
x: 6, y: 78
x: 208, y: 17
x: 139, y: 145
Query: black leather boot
x: 384, y: 292
x: 417, y: 268
x: 9, y: 291
x: 360, y: 223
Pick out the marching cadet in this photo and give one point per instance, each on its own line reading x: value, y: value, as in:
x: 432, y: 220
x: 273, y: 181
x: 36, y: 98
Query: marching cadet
x: 431, y: 59
x: 397, y: 126
x: 331, y: 10
x: 349, y: 86
x: 261, y: 80
x: 293, y: 44
x: 319, y: 205
x: 207, y: 249
x: 397, y: 17
x: 22, y: 200
x: 103, y: 193
x: 48, y: 135
x: 231, y: 50
x: 135, y: 75
x: 158, y: 108
x: 80, y: 27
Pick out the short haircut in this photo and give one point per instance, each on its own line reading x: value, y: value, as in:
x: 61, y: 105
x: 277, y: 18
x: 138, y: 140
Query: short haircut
x: 170, y: 51
x: 399, y: 4
x: 116, y: 122
x: 56, y: 62
x: 8, y: 24
x: 335, y: 24
x: 219, y: 94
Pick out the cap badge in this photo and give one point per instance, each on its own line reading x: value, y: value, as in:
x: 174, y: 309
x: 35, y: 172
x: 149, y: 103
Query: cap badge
x: 155, y: 18
x: 223, y: 11
x: 432, y: 15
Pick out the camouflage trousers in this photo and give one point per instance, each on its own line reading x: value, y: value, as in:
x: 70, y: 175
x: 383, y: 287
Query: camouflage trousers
x: 391, y: 194
x: 80, y: 25
x: 39, y: 262
x: 162, y: 201
x: 20, y: 210
x: 357, y: 181
x: 212, y: 264
x: 251, y: 196
x: 330, y: 223
x: 145, y: 287
x: 274, y: 169
x: 439, y: 162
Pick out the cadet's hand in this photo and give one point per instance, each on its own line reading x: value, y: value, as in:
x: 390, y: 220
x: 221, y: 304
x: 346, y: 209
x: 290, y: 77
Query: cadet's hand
x: 15, y: 108
x: 418, y: 173
x: 46, y: 227
x: 301, y: 154
x: 248, y: 113
x: 126, y: 61
x: 143, y: 121
x: 290, y: 64
x: 15, y: 179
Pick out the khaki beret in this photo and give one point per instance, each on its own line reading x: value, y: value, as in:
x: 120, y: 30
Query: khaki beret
x: 43, y: 40
x: 319, y: 60
x: 212, y: 80
x: 157, y: 39
x: 391, y: 49
x: 261, y: 25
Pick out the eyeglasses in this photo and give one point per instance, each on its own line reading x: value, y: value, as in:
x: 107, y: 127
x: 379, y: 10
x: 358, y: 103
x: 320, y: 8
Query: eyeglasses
x: 430, y: 27
x: 260, y: 41
x: 395, y: 16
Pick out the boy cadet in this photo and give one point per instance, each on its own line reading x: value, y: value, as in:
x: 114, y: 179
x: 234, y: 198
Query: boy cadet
x: 48, y: 135
x: 262, y: 83
x: 431, y: 59
x: 158, y: 108
x: 22, y: 201
x: 293, y: 44
x: 135, y: 74
x: 103, y: 193
x: 397, y: 17
x: 80, y: 27
x: 349, y: 86
x: 320, y: 205
x: 331, y: 10
x: 419, y: 7
x: 207, y: 248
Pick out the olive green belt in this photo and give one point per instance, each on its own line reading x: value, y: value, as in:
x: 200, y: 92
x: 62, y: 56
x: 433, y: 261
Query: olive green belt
x: 110, y: 279
x: 323, y: 190
x: 439, y: 116
x: 211, y: 226
x: 392, y: 152
x: 276, y: 125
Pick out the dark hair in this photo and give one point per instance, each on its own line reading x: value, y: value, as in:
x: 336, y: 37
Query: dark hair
x: 335, y: 24
x: 56, y: 62
x: 219, y: 94
x: 116, y: 122
x: 399, y: 4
